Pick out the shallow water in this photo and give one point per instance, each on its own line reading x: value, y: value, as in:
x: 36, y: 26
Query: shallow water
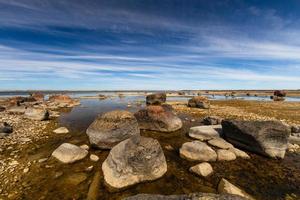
x: 264, y: 178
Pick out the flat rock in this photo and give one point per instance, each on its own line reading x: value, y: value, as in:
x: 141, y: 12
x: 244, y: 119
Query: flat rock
x: 131, y: 162
x: 69, y: 153
x: 202, y: 169
x: 16, y: 109
x: 204, y: 132
x: 225, y: 187
x: 197, y: 151
x: 225, y: 155
x: 158, y: 118
x: 36, y: 114
x: 111, y: 128
x: 268, y: 138
x: 220, y: 143
x: 194, y: 196
x: 61, y: 130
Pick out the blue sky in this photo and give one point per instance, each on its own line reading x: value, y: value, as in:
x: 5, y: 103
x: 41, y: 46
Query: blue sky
x: 149, y: 44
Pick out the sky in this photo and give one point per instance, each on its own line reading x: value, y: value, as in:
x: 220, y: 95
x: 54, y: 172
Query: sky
x: 149, y: 44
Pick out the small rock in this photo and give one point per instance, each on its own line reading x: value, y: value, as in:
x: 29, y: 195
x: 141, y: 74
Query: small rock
x: 42, y: 160
x: 225, y: 155
x: 202, y: 169
x: 85, y: 147
x: 94, y: 157
x: 58, y: 174
x: 169, y: 147
x: 212, y: 120
x: 239, y: 153
x: 225, y: 187
x: 25, y: 170
x: 89, y: 168
x: 61, y: 130
x: 220, y: 143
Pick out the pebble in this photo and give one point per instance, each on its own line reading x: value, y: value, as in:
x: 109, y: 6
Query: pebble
x: 94, y: 157
x: 25, y: 170
x: 42, y: 160
x: 89, y: 169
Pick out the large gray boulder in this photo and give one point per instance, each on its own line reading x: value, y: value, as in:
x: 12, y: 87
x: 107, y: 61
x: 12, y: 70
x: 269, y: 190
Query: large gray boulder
x: 69, y: 153
x: 38, y: 114
x: 197, y: 151
x: 134, y: 161
x: 156, y: 99
x: 269, y: 138
x: 194, y: 196
x: 158, y: 118
x: 111, y: 128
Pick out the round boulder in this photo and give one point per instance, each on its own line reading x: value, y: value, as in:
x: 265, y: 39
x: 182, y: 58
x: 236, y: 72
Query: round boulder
x: 131, y: 162
x: 199, y: 102
x: 158, y: 118
x: 111, y: 128
x: 156, y: 99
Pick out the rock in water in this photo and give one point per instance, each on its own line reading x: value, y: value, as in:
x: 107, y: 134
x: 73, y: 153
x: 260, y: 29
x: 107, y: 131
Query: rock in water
x: 158, y: 118
x: 199, y: 102
x: 197, y: 151
x: 225, y: 187
x: 69, y: 153
x: 194, y: 196
x: 111, y: 128
x: 156, y: 99
x: 36, y: 114
x: 204, y: 132
x: 269, y: 138
x: 131, y: 162
x: 202, y: 169
x: 60, y: 98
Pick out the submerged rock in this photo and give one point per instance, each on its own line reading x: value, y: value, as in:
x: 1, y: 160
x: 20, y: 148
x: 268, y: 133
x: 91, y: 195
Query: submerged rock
x: 156, y: 99
x: 202, y: 169
x: 131, y: 162
x: 225, y: 187
x: 158, y: 118
x: 194, y: 196
x: 111, y: 128
x: 69, y: 153
x: 36, y: 114
x: 199, y: 102
x: 269, y: 138
x: 197, y: 151
x: 204, y: 132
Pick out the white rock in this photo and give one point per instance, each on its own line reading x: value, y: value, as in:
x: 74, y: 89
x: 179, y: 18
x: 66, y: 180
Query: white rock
x: 197, y: 150
x: 225, y: 155
x: 61, y: 130
x: 225, y: 187
x: 202, y: 169
x: 94, y: 157
x: 204, y: 132
x: 69, y: 153
x: 220, y: 143
x: 25, y: 170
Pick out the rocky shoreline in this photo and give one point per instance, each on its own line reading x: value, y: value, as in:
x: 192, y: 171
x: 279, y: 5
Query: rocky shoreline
x: 29, y: 135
